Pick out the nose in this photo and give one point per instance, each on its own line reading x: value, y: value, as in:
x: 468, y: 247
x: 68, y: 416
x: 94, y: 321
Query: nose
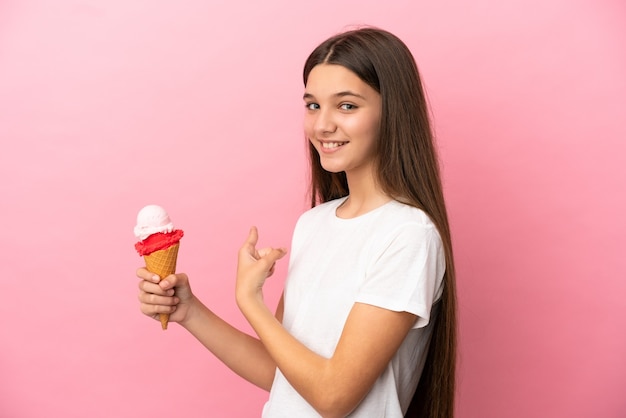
x: 324, y: 123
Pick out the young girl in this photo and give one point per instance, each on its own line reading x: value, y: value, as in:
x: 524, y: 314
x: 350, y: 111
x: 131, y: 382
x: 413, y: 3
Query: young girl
x: 366, y: 325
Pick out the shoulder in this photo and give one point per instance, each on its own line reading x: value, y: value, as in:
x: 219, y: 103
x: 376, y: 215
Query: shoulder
x: 398, y: 216
x: 404, y: 225
x: 313, y: 222
x: 321, y: 211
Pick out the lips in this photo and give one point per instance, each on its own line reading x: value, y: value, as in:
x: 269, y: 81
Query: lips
x: 331, y: 145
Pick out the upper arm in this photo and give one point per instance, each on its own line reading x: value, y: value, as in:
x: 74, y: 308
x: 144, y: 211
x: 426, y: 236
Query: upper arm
x: 370, y: 338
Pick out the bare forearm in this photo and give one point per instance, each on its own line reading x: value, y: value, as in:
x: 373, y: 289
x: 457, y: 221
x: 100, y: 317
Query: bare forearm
x: 309, y: 373
x: 333, y: 386
x: 242, y: 353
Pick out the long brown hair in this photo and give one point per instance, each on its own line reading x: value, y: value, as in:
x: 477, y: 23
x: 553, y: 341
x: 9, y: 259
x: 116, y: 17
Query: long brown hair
x: 407, y: 169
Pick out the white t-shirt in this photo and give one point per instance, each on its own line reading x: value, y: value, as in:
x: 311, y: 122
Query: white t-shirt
x: 391, y: 257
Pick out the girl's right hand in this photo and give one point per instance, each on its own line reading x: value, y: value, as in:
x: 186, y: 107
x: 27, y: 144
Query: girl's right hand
x: 172, y: 295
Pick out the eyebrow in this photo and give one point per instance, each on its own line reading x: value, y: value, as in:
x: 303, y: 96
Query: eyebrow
x: 338, y: 94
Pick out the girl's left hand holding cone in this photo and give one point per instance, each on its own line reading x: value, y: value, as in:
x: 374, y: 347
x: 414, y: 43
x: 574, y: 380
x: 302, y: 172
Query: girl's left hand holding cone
x: 172, y: 295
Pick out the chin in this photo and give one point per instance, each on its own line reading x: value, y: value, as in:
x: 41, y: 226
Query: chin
x: 332, y: 168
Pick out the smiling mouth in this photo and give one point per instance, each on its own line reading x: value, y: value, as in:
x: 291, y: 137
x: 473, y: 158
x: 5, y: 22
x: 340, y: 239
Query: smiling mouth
x: 331, y: 145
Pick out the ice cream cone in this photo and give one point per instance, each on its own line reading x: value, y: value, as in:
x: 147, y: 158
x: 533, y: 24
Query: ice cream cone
x: 163, y: 263
x: 158, y: 244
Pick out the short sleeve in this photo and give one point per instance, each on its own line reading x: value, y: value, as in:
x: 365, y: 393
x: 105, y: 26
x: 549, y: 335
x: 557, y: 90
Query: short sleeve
x: 406, y: 271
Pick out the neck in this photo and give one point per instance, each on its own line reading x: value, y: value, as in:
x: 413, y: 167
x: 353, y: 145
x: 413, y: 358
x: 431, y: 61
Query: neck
x: 365, y: 195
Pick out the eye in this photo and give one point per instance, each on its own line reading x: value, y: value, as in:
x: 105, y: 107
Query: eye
x: 312, y: 106
x: 347, y: 106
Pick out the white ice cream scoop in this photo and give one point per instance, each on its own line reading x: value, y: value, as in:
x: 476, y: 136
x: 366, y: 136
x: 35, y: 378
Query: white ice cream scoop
x: 152, y: 219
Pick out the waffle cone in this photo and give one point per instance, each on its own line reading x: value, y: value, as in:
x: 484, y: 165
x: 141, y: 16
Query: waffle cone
x: 163, y: 263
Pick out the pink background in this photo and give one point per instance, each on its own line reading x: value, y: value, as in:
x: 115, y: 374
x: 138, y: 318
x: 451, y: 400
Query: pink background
x: 109, y: 105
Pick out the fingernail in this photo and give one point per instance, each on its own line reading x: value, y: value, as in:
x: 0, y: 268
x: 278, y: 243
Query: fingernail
x: 155, y: 278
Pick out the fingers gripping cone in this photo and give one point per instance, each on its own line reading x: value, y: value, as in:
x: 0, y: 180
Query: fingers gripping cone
x: 163, y: 263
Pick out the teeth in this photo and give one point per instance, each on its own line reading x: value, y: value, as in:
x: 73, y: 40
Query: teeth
x: 332, y: 144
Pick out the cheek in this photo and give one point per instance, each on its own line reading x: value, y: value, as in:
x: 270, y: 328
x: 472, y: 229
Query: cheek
x: 308, y: 127
x: 373, y: 128
x: 366, y: 128
x: 369, y: 132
